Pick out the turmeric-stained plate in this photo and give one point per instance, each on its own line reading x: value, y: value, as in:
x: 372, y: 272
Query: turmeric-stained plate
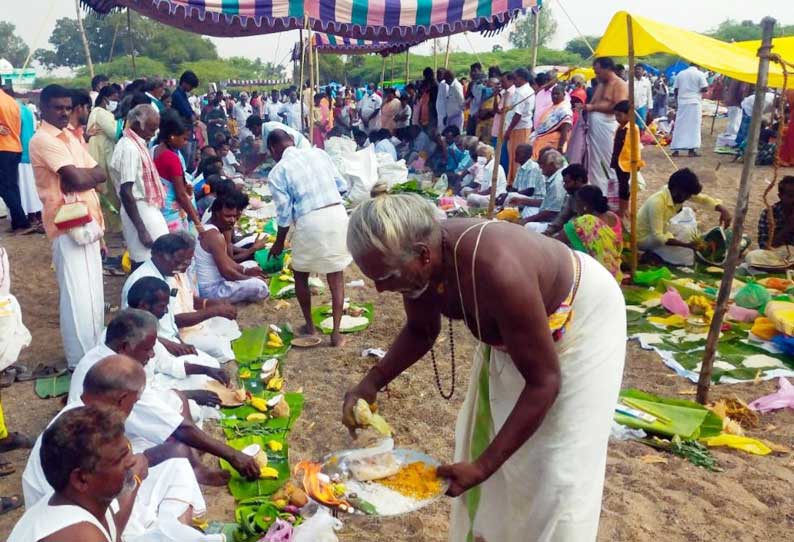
x: 227, y: 396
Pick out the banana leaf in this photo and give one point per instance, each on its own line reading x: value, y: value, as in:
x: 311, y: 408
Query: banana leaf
x: 319, y: 314
x: 636, y: 295
x: 249, y: 346
x: 233, y: 420
x: 255, y: 366
x: 685, y: 291
x: 687, y: 419
x: 242, y: 488
x: 276, y: 285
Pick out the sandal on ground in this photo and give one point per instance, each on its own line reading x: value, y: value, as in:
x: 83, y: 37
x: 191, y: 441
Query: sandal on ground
x: 41, y: 371
x: 9, y: 503
x: 15, y: 441
x: 8, y: 377
x: 6, y: 468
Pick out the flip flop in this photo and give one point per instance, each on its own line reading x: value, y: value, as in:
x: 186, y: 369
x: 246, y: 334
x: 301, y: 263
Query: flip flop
x: 6, y: 468
x: 8, y: 377
x: 15, y: 441
x: 10, y: 503
x: 41, y: 371
x: 309, y: 341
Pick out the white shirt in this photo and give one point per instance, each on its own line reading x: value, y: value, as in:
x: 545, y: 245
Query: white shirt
x: 229, y: 161
x: 272, y: 109
x: 455, y: 100
x: 643, y: 96
x: 689, y: 84
x: 387, y: 147
x: 441, y: 101
x: 43, y: 520
x: 406, y: 111
x: 298, y: 138
x: 487, y: 175
x: 242, y: 112
x: 167, y: 327
x: 292, y: 112
x: 369, y: 104
x: 523, y: 100
x: 126, y: 167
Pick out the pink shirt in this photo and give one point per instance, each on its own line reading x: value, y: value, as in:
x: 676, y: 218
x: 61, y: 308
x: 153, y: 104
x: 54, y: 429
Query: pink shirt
x: 50, y: 150
x: 542, y: 103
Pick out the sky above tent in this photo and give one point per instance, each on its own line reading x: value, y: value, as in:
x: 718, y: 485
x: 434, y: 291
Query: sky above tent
x: 591, y: 18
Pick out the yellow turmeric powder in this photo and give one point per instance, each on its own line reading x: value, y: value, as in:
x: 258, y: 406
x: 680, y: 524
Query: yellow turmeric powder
x: 416, y: 480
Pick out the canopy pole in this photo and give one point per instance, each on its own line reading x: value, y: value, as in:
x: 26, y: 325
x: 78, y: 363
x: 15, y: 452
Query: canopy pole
x: 704, y: 381
x: 716, y: 110
x: 85, y: 39
x: 446, y: 56
x: 407, y: 67
x: 392, y: 68
x: 310, y: 120
x: 317, y: 67
x: 131, y: 45
x: 300, y: 82
x: 535, y: 37
x: 633, y: 145
x: 435, y: 59
x: 496, y: 162
x: 383, y: 73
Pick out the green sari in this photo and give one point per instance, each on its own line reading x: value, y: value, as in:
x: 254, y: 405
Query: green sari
x: 593, y: 236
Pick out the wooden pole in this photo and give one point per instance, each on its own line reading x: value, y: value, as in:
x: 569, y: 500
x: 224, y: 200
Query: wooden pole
x: 113, y: 41
x: 446, y: 56
x: 383, y: 73
x: 391, y: 78
x: 131, y: 45
x: 704, y: 382
x: 310, y: 120
x: 317, y: 64
x: 535, y: 36
x: 633, y: 145
x: 407, y: 67
x: 435, y: 60
x: 300, y: 82
x: 497, y: 162
x: 84, y: 39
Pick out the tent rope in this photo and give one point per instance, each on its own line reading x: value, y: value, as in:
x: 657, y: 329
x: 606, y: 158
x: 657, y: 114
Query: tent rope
x: 781, y: 127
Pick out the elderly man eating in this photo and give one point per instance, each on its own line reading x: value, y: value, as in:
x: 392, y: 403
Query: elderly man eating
x: 193, y: 324
x: 306, y: 188
x: 538, y: 213
x: 531, y: 438
x: 138, y: 184
x: 160, y: 424
x: 163, y: 501
x: 66, y: 179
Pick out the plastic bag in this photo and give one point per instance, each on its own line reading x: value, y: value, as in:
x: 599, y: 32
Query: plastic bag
x: 318, y: 528
x: 740, y: 314
x: 280, y: 531
x: 764, y: 328
x: 651, y: 276
x: 781, y: 313
x: 684, y: 225
x: 752, y: 296
x: 782, y: 398
x: 673, y: 302
x: 785, y: 344
x: 745, y: 444
x: 392, y: 172
x: 360, y: 170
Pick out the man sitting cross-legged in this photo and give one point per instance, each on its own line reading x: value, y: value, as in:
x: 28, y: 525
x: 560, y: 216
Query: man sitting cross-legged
x: 161, y: 423
x: 192, y: 323
x: 155, y: 505
x: 219, y: 276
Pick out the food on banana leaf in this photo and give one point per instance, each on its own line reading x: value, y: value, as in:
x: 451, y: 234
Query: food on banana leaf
x: 346, y: 323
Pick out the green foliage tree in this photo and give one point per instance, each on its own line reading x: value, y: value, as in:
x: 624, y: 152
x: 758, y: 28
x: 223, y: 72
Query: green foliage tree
x: 521, y: 35
x: 332, y: 68
x: 120, y: 68
x: 12, y: 47
x: 579, y: 47
x: 733, y: 30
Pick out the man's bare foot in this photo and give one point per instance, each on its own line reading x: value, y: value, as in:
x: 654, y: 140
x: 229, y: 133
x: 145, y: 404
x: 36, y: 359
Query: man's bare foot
x: 337, y: 339
x: 307, y: 330
x: 211, y: 477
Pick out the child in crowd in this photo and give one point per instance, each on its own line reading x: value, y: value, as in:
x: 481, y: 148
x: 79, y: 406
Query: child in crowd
x: 231, y: 167
x: 621, y: 155
x: 382, y: 141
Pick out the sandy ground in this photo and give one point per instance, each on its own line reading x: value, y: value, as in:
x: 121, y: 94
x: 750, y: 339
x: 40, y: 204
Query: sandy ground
x: 751, y: 500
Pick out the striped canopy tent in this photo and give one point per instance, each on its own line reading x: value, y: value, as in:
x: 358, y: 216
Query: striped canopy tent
x: 330, y: 44
x: 375, y: 20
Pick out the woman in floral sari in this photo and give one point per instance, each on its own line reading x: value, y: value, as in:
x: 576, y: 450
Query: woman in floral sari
x: 595, y: 230
x: 555, y: 125
x: 179, y: 208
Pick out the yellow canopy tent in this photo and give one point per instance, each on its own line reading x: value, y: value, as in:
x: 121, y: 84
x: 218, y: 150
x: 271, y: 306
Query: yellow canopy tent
x: 781, y: 46
x: 740, y: 63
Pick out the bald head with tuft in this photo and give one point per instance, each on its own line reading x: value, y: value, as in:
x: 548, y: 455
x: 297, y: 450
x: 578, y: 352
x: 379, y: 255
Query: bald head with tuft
x: 116, y: 380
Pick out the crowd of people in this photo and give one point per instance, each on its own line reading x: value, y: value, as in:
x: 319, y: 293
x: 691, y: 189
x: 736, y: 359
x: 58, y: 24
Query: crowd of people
x: 174, y: 166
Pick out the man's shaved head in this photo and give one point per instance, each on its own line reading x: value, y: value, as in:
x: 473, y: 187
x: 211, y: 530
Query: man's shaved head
x: 277, y: 142
x: 114, y: 374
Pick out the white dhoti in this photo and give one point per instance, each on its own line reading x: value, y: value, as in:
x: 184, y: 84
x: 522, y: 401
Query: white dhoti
x: 686, y: 131
x: 78, y: 269
x: 155, y: 224
x: 27, y: 190
x: 319, y: 241
x: 728, y: 137
x: 550, y: 489
x: 166, y: 371
x: 165, y: 495
x: 601, y: 130
x: 214, y: 337
x: 14, y: 336
x: 236, y: 291
x: 477, y: 200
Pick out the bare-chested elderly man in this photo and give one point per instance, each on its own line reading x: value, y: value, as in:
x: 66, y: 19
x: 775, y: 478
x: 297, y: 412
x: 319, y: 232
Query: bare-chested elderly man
x: 601, y: 123
x: 552, y: 328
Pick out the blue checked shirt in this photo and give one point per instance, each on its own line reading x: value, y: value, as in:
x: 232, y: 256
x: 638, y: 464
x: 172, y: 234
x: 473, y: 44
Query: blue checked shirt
x: 303, y: 181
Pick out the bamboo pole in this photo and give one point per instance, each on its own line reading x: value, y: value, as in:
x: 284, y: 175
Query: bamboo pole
x: 131, y: 45
x: 317, y: 67
x: 633, y: 145
x: 535, y: 36
x: 392, y: 68
x: 497, y: 162
x: 383, y: 73
x: 435, y: 59
x: 113, y: 41
x: 300, y: 82
x: 407, y: 67
x: 446, y: 56
x: 310, y: 120
x: 714, y: 118
x: 704, y: 382
x: 84, y: 39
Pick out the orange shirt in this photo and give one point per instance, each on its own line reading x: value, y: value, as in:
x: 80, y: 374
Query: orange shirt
x: 50, y: 150
x: 11, y: 119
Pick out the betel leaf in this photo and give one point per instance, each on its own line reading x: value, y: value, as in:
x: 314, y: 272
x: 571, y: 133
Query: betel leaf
x: 324, y: 311
x: 687, y: 419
